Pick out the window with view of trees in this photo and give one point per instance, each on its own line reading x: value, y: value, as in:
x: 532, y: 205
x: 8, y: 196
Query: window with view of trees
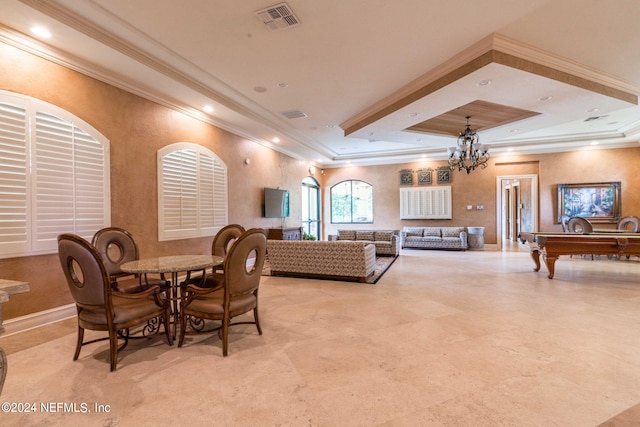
x: 352, y: 202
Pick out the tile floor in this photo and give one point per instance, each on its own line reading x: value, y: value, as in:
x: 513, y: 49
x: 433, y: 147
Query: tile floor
x: 443, y: 339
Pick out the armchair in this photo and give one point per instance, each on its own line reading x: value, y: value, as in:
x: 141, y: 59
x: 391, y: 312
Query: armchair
x: 239, y: 293
x: 99, y: 307
x: 117, y: 246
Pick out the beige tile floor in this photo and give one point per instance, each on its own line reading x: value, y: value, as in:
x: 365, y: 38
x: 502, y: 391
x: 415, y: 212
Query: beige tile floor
x: 443, y: 339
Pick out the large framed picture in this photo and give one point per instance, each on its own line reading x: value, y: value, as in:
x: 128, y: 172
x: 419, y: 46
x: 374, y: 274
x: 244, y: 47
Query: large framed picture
x: 597, y: 202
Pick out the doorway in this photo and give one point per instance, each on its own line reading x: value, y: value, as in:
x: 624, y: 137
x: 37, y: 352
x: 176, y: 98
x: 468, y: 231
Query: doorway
x: 517, y: 203
x: 311, y: 207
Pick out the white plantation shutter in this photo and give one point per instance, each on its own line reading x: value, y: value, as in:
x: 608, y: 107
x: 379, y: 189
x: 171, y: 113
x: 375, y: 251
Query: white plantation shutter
x: 14, y: 214
x: 54, y: 177
x: 69, y: 170
x: 425, y: 203
x: 192, y: 191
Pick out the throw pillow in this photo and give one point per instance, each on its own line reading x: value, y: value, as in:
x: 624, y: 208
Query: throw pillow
x: 432, y: 232
x: 382, y: 236
x: 413, y: 231
x: 452, y: 231
x: 346, y: 235
x: 364, y: 235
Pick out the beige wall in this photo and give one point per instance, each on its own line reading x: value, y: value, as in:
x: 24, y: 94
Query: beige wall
x: 479, y: 187
x: 137, y: 128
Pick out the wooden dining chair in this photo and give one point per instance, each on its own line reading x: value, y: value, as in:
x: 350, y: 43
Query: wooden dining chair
x: 219, y: 247
x: 239, y: 293
x: 579, y: 225
x: 117, y: 246
x: 629, y: 223
x: 99, y: 307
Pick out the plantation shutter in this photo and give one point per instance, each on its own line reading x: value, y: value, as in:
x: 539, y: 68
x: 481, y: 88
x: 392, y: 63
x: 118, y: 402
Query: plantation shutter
x: 68, y: 179
x: 14, y: 215
x: 193, y: 192
x: 54, y: 176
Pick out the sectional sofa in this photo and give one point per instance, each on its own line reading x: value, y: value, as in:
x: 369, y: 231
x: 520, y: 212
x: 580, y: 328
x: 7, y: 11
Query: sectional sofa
x: 387, y: 242
x: 447, y: 238
x: 351, y: 261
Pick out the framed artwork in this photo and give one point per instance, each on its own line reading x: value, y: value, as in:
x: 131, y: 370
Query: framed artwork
x: 406, y: 177
x: 597, y: 202
x: 443, y: 175
x: 424, y: 176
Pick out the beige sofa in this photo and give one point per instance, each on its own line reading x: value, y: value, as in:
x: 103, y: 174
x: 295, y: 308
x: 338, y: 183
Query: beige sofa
x: 448, y: 238
x: 352, y: 261
x: 387, y: 242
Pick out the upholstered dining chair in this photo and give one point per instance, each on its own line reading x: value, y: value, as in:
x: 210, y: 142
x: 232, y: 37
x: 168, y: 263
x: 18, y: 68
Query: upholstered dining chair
x: 630, y: 224
x: 579, y: 225
x: 239, y: 293
x: 219, y: 247
x: 99, y: 307
x: 117, y: 246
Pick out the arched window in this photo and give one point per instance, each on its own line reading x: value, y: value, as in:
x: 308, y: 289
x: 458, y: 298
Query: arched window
x: 352, y: 203
x: 192, y: 192
x: 54, y: 176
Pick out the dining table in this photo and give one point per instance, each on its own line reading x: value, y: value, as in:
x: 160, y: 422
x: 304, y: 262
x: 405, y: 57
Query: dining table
x: 173, y: 265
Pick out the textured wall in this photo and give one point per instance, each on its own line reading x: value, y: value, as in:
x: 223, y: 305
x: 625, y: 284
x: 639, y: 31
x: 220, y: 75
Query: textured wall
x: 137, y: 128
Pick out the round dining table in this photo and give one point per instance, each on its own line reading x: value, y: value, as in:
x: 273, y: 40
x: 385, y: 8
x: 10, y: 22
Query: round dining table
x: 173, y: 264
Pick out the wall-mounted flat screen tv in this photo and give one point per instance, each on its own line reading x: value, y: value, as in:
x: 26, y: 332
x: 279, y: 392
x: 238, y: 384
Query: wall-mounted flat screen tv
x: 276, y: 203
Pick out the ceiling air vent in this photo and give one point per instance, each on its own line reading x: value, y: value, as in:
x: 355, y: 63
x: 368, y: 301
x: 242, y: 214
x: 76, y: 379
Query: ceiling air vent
x: 294, y: 114
x: 278, y: 17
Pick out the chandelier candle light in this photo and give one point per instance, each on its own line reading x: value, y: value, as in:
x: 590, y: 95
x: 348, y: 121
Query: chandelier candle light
x: 469, y: 154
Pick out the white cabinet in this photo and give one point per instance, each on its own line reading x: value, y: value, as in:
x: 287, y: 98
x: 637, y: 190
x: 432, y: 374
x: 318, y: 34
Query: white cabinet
x: 425, y: 202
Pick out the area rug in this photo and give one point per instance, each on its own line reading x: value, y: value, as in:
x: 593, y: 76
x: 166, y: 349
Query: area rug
x: 382, y: 265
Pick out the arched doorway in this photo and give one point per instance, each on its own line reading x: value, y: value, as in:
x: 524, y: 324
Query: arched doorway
x: 311, y: 207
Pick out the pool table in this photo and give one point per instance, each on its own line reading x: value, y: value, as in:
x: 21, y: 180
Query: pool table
x: 552, y: 245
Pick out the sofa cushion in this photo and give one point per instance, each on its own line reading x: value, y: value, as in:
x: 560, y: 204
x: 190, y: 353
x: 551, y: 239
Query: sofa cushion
x: 452, y: 231
x: 414, y: 231
x: 346, y: 235
x: 364, y: 235
x: 380, y: 236
x: 431, y: 231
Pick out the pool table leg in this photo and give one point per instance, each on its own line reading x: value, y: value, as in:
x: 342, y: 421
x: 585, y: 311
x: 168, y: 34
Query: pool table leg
x: 551, y: 262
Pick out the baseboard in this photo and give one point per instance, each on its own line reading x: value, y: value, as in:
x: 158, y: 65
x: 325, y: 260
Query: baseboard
x: 41, y: 318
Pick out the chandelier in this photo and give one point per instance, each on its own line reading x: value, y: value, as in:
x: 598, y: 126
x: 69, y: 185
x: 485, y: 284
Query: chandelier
x: 469, y: 154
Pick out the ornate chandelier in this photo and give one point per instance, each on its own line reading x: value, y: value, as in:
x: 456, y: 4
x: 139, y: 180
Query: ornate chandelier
x: 469, y: 154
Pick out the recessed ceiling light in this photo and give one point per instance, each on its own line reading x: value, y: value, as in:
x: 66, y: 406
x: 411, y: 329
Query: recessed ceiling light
x: 208, y: 108
x: 545, y: 98
x: 283, y: 84
x: 514, y: 131
x: 331, y: 126
x: 419, y: 140
x: 41, y: 32
x: 369, y: 133
x: 275, y: 139
x: 592, y: 110
x: 413, y: 114
x: 260, y: 89
x: 484, y: 82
